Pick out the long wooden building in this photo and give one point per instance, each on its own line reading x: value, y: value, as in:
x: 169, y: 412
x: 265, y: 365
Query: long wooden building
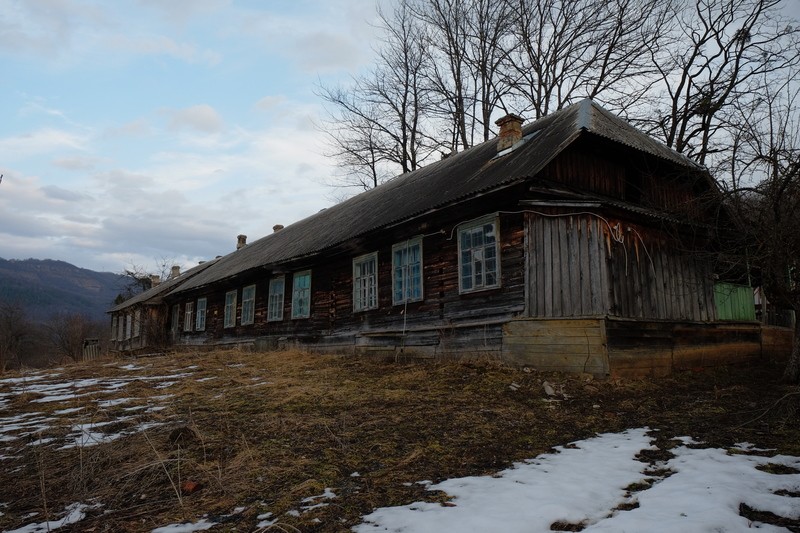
x: 566, y: 244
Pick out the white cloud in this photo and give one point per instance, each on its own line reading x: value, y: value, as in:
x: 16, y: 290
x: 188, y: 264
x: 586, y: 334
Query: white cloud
x: 135, y: 128
x: 45, y: 27
x: 124, y: 151
x: 44, y: 140
x: 55, y: 192
x: 326, y: 51
x: 76, y: 163
x: 179, y: 13
x: 201, y: 117
x: 270, y: 102
x: 162, y: 45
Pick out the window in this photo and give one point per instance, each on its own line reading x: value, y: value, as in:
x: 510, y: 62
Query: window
x: 188, y: 316
x: 477, y: 256
x: 365, y: 282
x: 248, y: 304
x: 230, y: 309
x: 301, y: 295
x: 121, y: 327
x: 128, y: 324
x: 137, y: 322
x: 200, y: 321
x: 407, y: 271
x: 113, y: 328
x: 275, y: 305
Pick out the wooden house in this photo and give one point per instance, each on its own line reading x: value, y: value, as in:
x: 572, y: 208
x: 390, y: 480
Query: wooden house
x: 141, y: 324
x: 563, y: 245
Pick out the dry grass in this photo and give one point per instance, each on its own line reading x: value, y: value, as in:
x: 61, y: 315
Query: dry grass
x: 271, y: 429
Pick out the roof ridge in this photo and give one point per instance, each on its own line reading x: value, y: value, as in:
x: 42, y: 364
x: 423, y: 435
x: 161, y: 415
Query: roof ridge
x: 584, y: 119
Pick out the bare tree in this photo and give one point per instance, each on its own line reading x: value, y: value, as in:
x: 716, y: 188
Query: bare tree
x: 14, y: 331
x: 136, y: 278
x: 765, y: 162
x: 723, y: 52
x: 376, y: 126
x: 67, y: 331
x: 467, y: 77
x: 569, y: 50
x: 447, y: 76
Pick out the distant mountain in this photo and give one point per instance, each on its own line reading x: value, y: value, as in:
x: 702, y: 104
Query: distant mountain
x: 45, y: 287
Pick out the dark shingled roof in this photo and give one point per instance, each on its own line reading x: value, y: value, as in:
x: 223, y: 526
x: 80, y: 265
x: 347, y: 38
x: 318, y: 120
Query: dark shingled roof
x: 438, y: 184
x: 154, y: 295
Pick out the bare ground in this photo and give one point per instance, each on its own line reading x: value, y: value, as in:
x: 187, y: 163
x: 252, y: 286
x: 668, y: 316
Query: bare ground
x: 271, y: 429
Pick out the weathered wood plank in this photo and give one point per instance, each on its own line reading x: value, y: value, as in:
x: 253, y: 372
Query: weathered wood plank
x: 598, y: 275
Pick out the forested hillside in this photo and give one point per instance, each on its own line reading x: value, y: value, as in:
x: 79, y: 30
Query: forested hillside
x: 46, y: 287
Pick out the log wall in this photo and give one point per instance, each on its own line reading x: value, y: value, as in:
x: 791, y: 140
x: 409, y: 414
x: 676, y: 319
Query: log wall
x: 332, y: 316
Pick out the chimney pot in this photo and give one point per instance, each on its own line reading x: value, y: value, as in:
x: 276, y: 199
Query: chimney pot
x: 241, y: 241
x: 276, y: 228
x: 155, y: 279
x: 510, y: 131
x: 174, y: 272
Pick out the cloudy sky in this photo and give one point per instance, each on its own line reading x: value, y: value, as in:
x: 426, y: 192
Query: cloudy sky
x: 137, y: 131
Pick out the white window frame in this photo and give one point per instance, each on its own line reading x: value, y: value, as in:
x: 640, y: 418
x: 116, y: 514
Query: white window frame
x: 401, y: 273
x: 477, y: 254
x: 200, y: 320
x: 188, y: 316
x: 137, y: 318
x: 230, y: 309
x: 365, y: 285
x: 276, y: 299
x: 248, y: 305
x: 298, y: 294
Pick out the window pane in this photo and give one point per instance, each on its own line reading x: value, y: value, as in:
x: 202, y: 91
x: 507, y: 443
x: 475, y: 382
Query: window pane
x: 365, y: 283
x: 407, y: 271
x: 248, y: 304
x: 230, y: 309
x: 478, y: 256
x: 466, y: 242
x: 276, y: 290
x: 188, y: 316
x: 301, y: 295
x: 200, y: 322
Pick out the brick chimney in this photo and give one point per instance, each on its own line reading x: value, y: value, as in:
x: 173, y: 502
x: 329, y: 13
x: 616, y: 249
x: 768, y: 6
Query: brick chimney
x: 174, y: 272
x: 510, y: 131
x: 241, y: 241
x: 155, y: 279
x: 276, y: 228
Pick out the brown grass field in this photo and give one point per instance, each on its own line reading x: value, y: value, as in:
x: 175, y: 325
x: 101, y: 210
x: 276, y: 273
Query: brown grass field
x: 268, y: 430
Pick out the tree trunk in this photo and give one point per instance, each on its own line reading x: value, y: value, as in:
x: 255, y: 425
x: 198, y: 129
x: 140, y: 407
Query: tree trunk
x: 792, y: 372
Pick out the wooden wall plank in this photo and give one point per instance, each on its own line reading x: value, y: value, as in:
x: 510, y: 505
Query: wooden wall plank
x: 587, y: 306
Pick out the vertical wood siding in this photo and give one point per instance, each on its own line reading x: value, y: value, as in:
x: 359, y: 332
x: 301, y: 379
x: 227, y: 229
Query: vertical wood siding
x: 567, y: 273
x: 589, y: 167
x: 582, y: 265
